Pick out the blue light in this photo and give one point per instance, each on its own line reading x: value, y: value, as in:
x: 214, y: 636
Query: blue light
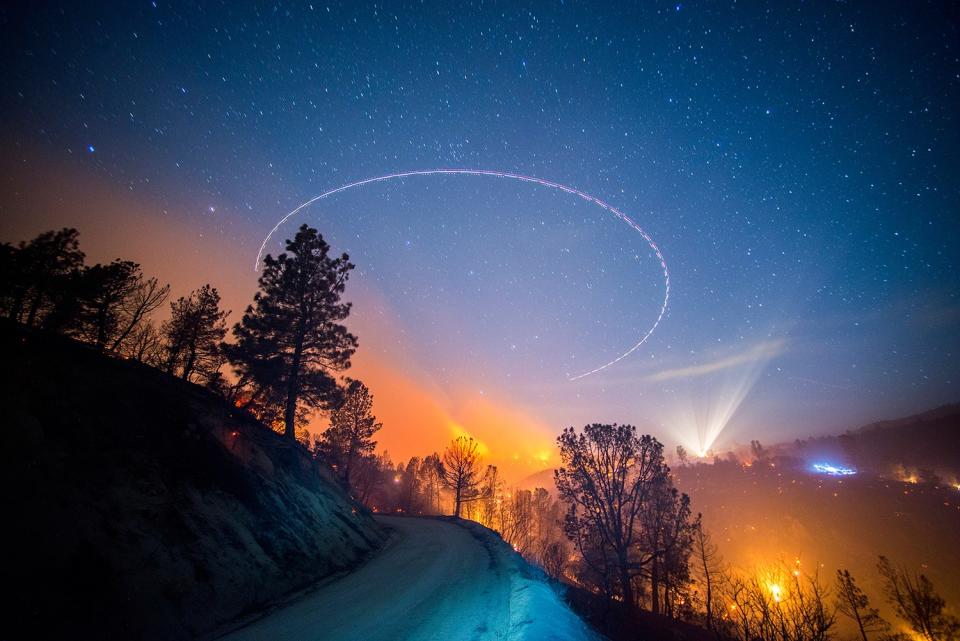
x: 833, y: 470
x: 91, y: 148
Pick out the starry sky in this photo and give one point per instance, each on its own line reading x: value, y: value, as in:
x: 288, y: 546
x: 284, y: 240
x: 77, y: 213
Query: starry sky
x: 797, y: 166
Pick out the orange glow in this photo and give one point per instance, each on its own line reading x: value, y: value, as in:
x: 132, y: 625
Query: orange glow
x: 419, y: 418
x: 420, y: 414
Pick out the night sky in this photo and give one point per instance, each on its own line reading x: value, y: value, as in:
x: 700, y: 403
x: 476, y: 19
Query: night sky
x: 797, y: 166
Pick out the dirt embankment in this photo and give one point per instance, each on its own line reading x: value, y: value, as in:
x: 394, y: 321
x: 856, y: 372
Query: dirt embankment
x: 140, y: 506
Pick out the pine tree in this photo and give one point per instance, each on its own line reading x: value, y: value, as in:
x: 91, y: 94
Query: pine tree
x: 853, y: 603
x: 193, y: 335
x: 34, y: 273
x: 352, y: 427
x: 290, y: 341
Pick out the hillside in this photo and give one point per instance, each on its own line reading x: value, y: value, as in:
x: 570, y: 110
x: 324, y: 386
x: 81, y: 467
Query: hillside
x: 139, y: 506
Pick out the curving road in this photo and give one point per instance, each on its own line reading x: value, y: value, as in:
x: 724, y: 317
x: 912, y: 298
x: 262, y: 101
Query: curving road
x: 432, y: 580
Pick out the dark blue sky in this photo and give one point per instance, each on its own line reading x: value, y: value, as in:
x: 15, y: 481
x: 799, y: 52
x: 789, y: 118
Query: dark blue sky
x: 797, y: 165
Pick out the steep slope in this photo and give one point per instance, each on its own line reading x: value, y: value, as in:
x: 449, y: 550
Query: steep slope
x: 141, y: 506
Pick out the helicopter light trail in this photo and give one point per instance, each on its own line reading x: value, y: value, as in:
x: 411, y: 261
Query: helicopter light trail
x: 510, y: 176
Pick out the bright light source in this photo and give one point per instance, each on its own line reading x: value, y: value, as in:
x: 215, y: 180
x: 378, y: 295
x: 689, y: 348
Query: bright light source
x: 776, y: 591
x: 709, y: 393
x: 833, y: 470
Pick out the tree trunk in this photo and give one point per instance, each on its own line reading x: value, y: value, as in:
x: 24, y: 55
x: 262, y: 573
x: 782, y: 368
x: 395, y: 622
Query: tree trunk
x: 863, y: 633
x: 188, y: 366
x: 290, y: 411
x: 626, y: 587
x: 654, y: 588
x: 16, y: 310
x: 709, y: 599
x: 34, y: 307
x: 346, y: 468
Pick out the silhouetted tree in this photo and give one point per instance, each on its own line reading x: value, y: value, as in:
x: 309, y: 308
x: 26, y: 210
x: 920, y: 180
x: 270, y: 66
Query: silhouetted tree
x: 351, y: 431
x: 145, y: 345
x: 193, y: 335
x: 710, y: 569
x: 9, y: 275
x: 35, y: 274
x: 409, y: 490
x: 917, y: 603
x: 367, y: 474
x: 290, y: 340
x: 103, y: 293
x: 853, y: 603
x: 605, y: 478
x: 667, y: 540
x: 143, y: 297
x: 461, y: 470
x: 682, y: 454
x: 776, y: 604
x: 431, y: 481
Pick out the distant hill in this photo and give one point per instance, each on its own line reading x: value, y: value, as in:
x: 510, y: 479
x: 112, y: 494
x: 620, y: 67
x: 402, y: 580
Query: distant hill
x: 543, y: 478
x: 950, y: 411
x: 926, y: 444
x: 139, y: 506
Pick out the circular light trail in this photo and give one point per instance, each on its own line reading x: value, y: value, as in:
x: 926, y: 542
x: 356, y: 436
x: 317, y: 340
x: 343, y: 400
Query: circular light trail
x: 528, y: 179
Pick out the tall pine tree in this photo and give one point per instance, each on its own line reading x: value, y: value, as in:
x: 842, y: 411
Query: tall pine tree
x: 291, y: 341
x: 351, y: 431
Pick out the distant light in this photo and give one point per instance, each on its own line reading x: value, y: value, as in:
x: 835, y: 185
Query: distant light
x: 91, y: 148
x: 833, y: 470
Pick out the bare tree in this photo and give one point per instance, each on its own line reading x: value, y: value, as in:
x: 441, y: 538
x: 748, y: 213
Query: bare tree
x: 916, y: 602
x: 104, y: 291
x: 144, y: 297
x: 461, y: 470
x: 144, y: 345
x: 775, y: 604
x: 710, y: 568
